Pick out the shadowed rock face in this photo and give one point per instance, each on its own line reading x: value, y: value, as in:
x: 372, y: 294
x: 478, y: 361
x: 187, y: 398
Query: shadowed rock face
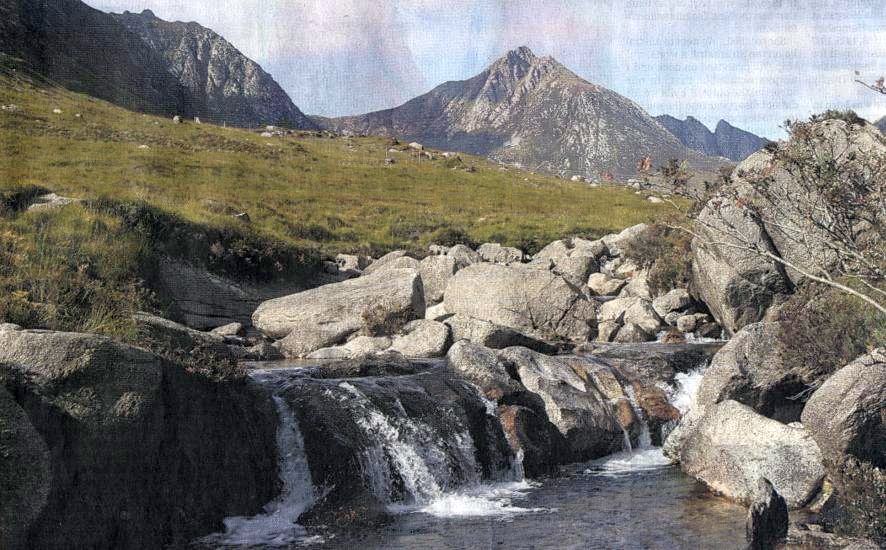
x: 140, y: 453
x: 88, y: 51
x: 535, y: 112
x: 236, y: 90
x: 725, y: 141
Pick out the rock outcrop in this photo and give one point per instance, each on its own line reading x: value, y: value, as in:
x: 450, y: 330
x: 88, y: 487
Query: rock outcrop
x: 142, y: 454
x: 847, y: 415
x: 327, y: 315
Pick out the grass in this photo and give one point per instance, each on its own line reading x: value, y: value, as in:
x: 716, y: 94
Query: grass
x: 152, y: 187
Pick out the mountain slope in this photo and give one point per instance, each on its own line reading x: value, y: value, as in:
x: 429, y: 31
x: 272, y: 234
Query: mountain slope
x: 534, y: 112
x: 725, y: 141
x: 881, y: 124
x: 87, y: 51
x: 236, y: 90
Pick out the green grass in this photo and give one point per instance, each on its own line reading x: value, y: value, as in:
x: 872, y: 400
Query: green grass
x: 87, y: 266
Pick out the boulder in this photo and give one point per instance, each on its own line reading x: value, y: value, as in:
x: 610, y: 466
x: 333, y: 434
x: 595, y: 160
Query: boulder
x: 178, y: 338
x: 464, y: 255
x: 553, y: 251
x: 352, y: 262
x: 536, y: 302
x: 576, y: 268
x: 632, y: 334
x: 231, y: 329
x: 401, y: 262
x: 493, y: 336
x: 595, y: 249
x: 847, y: 414
x: 496, y: 253
x: 436, y: 313
x: 329, y: 314
x: 748, y: 369
x: 729, y: 447
x: 767, y: 523
x: 356, y: 348
x: 482, y: 367
x: 636, y: 311
x: 423, y: 338
x: 573, y: 404
x: 655, y: 363
x: 25, y: 474
x: 4, y: 327
x: 638, y: 286
x: 615, y: 243
x: 604, y: 285
x: 435, y: 274
x: 143, y: 453
x: 675, y: 300
x: 607, y: 331
x: 384, y: 261
x: 532, y: 436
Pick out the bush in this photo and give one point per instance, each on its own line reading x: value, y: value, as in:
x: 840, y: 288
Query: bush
x: 18, y: 198
x: 665, y: 252
x: 860, y: 500
x: 451, y: 236
x: 823, y: 329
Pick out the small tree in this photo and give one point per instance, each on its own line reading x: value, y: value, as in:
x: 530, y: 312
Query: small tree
x: 824, y: 194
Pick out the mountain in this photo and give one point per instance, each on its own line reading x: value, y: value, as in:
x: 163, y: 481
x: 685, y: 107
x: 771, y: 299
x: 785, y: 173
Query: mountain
x: 88, y: 51
x: 534, y: 112
x: 725, y: 141
x: 235, y: 89
x: 881, y: 124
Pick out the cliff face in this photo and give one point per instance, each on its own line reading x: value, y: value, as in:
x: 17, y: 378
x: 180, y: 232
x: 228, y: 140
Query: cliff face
x: 234, y: 89
x: 534, y: 112
x: 88, y: 51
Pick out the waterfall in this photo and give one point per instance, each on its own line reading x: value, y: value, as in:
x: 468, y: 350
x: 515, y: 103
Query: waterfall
x: 277, y: 526
x: 644, y: 441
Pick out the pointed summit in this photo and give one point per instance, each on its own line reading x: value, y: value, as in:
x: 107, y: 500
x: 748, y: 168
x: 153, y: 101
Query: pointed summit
x: 520, y: 56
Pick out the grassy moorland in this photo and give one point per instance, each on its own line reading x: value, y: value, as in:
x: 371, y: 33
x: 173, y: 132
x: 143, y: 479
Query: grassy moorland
x: 151, y: 187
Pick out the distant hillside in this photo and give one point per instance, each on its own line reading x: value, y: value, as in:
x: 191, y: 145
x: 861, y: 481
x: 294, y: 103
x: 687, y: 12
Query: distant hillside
x: 881, y: 124
x: 533, y: 112
x: 88, y: 51
x: 235, y: 89
x: 725, y: 141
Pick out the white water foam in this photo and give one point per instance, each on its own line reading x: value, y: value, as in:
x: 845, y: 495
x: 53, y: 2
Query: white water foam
x: 682, y: 396
x: 278, y: 525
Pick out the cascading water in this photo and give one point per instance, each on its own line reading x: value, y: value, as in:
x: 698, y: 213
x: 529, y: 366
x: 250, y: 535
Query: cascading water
x: 278, y: 525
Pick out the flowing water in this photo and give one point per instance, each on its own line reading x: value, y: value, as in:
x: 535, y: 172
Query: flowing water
x: 634, y: 499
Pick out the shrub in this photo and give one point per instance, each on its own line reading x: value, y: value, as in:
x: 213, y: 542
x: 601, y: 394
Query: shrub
x: 17, y: 199
x: 451, y: 236
x: 823, y: 329
x: 665, y: 252
x: 860, y: 498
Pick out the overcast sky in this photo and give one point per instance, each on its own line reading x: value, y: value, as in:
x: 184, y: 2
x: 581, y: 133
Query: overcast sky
x: 733, y: 59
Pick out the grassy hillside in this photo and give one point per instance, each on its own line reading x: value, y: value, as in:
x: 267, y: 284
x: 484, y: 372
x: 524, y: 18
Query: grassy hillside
x: 154, y: 187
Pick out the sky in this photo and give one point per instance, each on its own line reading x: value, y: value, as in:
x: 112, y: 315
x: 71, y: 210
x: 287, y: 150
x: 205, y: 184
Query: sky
x: 754, y: 63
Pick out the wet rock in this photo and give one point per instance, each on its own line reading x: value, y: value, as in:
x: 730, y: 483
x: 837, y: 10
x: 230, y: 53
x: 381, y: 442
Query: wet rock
x: 124, y: 429
x: 654, y: 363
x: 385, y: 363
x: 493, y: 336
x: 423, y: 338
x: 533, y: 301
x: 531, y: 434
x: 767, y: 523
x: 656, y: 408
x: 496, y: 253
x: 329, y: 314
x: 482, y: 367
x: 729, y: 447
x: 847, y: 414
x: 573, y: 404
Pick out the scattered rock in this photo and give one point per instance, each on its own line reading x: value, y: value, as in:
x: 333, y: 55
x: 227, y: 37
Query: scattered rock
x: 604, y: 285
x: 464, y: 256
x: 675, y: 300
x: 347, y: 262
x: 498, y: 254
x: 51, y: 201
x: 615, y: 243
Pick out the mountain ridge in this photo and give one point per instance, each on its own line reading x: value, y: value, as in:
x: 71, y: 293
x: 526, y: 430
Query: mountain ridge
x: 725, y: 141
x: 532, y: 112
x: 236, y: 89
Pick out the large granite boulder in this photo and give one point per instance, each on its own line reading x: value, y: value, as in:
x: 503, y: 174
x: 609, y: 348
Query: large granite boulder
x: 847, y: 414
x: 533, y: 301
x: 482, y: 367
x: 143, y: 453
x: 388, y: 259
x: 422, y: 339
x: 729, y: 447
x: 328, y: 315
x: 579, y: 410
x: 740, y: 285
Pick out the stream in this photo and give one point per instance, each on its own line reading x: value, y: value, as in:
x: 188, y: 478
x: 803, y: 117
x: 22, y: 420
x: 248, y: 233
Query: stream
x: 633, y: 499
